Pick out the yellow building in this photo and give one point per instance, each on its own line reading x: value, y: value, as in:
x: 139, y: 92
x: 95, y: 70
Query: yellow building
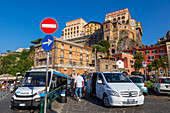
x: 65, y: 56
x: 117, y: 26
x: 74, y: 29
x: 91, y: 27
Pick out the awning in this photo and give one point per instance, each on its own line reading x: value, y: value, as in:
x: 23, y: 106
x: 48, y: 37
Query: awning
x: 60, y: 74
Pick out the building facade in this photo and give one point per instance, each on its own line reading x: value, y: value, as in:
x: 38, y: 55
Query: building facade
x: 66, y: 57
x: 150, y: 53
x: 74, y: 29
x: 126, y: 61
x: 91, y: 27
x: 168, y: 52
x: 106, y: 65
x: 121, y: 31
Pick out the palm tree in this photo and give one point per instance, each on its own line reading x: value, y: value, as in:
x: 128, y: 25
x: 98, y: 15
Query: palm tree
x: 164, y: 64
x: 138, y: 61
x: 149, y: 68
x: 156, y: 64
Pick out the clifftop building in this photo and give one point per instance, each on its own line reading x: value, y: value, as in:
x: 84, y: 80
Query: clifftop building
x: 121, y: 31
x: 74, y: 29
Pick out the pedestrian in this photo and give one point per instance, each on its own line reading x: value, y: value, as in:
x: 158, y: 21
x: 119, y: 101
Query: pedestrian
x: 72, y: 84
x: 85, y: 84
x: 78, y: 85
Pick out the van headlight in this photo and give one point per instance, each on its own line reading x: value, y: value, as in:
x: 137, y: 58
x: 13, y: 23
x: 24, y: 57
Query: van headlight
x: 140, y: 93
x: 114, y: 93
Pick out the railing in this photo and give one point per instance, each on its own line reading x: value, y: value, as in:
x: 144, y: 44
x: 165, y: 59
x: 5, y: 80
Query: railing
x: 4, y: 92
x: 50, y: 99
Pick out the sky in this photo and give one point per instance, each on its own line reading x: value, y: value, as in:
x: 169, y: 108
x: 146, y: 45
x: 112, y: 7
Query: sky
x: 20, y: 19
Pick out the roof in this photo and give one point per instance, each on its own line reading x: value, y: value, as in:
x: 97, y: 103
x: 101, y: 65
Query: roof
x: 60, y: 74
x: 92, y: 22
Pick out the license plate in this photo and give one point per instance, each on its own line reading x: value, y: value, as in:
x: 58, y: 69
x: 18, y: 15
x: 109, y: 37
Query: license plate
x: 21, y: 104
x: 130, y: 100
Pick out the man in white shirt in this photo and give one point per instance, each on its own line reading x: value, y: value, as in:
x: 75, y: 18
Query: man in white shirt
x: 79, y: 82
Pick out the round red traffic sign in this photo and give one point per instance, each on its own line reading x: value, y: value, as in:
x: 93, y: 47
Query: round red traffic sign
x: 49, y: 25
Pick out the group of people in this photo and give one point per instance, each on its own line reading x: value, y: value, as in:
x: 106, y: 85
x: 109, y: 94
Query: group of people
x: 79, y: 83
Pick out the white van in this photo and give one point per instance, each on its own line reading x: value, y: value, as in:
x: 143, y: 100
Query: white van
x: 115, y: 89
x: 32, y: 88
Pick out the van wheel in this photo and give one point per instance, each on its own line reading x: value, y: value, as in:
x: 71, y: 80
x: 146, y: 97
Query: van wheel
x: 106, y: 101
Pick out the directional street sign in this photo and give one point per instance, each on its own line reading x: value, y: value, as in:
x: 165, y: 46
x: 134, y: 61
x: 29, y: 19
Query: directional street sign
x: 144, y: 64
x: 49, y: 25
x: 47, y: 42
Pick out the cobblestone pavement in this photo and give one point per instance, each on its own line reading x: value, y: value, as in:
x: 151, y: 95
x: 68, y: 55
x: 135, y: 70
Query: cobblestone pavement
x: 153, y: 104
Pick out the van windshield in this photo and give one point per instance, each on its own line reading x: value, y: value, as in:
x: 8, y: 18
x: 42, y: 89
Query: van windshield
x: 116, y: 77
x: 35, y: 79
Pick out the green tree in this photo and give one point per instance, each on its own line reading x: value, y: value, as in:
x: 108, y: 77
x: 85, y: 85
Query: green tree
x: 138, y: 61
x: 156, y: 64
x: 98, y: 48
x: 165, y: 64
x: 8, y: 51
x: 149, y: 68
x: 105, y: 44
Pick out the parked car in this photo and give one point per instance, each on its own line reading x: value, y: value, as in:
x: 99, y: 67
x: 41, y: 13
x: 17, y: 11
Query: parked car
x: 139, y: 81
x: 115, y: 89
x: 161, y: 85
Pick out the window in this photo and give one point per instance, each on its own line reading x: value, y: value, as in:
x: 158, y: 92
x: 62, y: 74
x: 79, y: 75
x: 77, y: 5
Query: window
x: 118, y: 18
x: 61, y: 62
x: 100, y: 77
x: 41, y: 53
x: 62, y: 45
x: 81, y: 63
x: 81, y: 50
x: 106, y: 25
x: 132, y: 23
x: 153, y: 51
x: 87, y: 64
x: 118, y: 58
x: 70, y: 56
x: 147, y: 52
x: 140, y: 52
x: 37, y: 63
x: 123, y: 17
x: 87, y: 58
x: 70, y: 62
x: 87, y: 52
x: 160, y: 56
x: 161, y: 50
x: 74, y: 63
x: 106, y: 66
x: 107, y: 38
x: 133, y: 52
x: 151, y: 58
x: 70, y: 48
x: 114, y: 67
x: 41, y: 63
x: 125, y: 27
x: 62, y: 54
x: 132, y: 28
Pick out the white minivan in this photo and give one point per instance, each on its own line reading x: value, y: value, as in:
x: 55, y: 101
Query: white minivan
x: 115, y: 89
x: 32, y: 88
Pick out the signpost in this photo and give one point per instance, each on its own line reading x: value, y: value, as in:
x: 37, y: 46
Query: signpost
x: 48, y: 26
x: 144, y: 65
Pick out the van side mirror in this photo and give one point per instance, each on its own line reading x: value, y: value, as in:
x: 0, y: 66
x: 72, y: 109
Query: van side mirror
x: 99, y: 81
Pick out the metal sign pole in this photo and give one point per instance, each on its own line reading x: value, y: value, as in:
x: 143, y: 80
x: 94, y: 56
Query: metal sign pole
x: 45, y: 105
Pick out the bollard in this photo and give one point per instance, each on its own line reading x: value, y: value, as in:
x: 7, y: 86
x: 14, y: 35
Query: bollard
x: 63, y: 97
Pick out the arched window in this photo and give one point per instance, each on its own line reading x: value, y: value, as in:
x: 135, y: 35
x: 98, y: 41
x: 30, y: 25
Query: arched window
x: 113, y: 51
x: 108, y: 52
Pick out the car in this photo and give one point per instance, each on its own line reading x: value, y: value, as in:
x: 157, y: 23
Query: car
x: 114, y: 89
x: 161, y: 85
x: 139, y: 81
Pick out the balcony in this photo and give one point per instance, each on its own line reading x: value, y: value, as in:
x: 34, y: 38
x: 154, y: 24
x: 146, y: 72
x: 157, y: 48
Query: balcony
x: 61, y: 56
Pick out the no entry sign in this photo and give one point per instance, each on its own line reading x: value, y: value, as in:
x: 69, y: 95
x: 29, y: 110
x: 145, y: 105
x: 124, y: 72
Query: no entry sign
x: 48, y: 25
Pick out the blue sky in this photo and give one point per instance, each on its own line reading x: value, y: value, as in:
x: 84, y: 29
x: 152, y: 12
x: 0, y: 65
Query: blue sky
x: 20, y: 19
